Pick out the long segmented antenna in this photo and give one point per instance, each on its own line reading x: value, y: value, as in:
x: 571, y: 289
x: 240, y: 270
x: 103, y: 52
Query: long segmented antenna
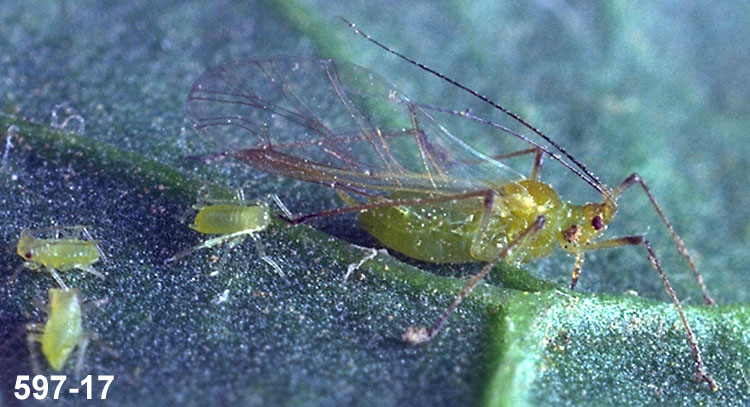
x: 591, y: 180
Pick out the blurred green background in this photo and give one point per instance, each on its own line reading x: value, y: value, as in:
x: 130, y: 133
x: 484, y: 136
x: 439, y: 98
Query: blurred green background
x: 658, y: 89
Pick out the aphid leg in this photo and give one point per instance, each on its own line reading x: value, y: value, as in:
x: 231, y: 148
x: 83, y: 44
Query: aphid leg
x: 40, y: 305
x: 225, y: 254
x: 695, y: 349
x: 634, y: 178
x: 234, y: 243
x: 224, y: 258
x: 33, y: 338
x: 538, y: 159
x: 479, y: 239
x: 536, y: 170
x: 262, y: 254
x: 88, y: 236
x: 209, y: 243
x: 371, y: 253
x: 418, y: 335
x: 284, y: 210
x: 577, y: 267
x: 74, y: 232
x: 57, y: 278
x: 82, y: 346
x: 93, y: 271
x: 16, y: 272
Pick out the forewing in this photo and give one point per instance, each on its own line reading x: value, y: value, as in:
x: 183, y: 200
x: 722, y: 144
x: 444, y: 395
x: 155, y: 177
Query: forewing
x: 333, y: 123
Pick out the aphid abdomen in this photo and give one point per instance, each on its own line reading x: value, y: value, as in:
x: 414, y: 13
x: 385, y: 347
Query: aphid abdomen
x: 450, y: 232
x: 63, y: 330
x: 64, y: 254
x: 227, y: 219
x: 434, y: 233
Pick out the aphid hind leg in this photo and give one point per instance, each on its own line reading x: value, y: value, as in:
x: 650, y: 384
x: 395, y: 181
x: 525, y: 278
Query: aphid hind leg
x: 633, y: 179
x: 418, y: 335
x: 701, y: 371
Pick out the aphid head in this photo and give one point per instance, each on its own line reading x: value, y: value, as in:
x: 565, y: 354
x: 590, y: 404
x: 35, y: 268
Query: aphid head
x: 25, y: 243
x: 586, y: 223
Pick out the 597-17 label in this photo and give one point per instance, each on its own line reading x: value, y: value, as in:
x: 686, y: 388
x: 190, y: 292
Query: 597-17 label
x: 40, y: 387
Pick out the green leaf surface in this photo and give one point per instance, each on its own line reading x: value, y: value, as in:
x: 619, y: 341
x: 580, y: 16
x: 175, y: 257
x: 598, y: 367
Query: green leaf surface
x: 657, y: 89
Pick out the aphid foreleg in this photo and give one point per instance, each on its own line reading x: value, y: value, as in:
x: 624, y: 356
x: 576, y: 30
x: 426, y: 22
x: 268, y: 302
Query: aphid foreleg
x: 577, y: 267
x: 536, y: 170
x: 74, y: 232
x: 418, y: 335
x: 262, y: 254
x: 635, y: 178
x: 695, y: 349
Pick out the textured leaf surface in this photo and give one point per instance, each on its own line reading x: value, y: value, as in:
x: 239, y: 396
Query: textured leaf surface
x: 626, y: 87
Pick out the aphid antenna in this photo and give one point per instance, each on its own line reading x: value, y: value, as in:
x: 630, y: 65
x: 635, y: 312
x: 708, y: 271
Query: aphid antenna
x: 589, y: 177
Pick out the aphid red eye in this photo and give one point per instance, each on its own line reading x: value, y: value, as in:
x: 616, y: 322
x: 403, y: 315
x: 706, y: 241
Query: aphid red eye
x: 597, y: 223
x: 27, y: 255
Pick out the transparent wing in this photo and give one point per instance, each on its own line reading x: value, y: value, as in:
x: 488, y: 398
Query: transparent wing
x: 336, y: 124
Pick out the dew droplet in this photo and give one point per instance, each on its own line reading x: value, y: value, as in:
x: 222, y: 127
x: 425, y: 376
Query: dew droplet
x: 64, y: 117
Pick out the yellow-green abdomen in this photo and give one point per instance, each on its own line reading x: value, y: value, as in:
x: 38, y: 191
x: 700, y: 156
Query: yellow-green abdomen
x: 63, y: 330
x: 226, y: 219
x: 449, y: 232
x: 435, y: 233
